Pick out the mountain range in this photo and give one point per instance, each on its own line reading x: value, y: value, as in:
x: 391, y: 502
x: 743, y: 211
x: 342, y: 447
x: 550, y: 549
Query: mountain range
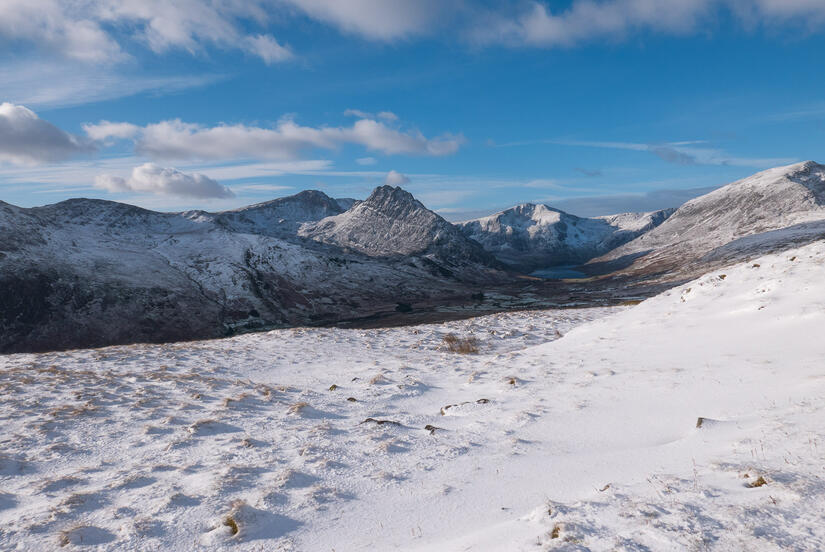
x: 86, y: 272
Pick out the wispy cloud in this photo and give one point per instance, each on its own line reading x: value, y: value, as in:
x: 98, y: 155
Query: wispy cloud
x: 46, y: 84
x: 101, y: 31
x: 592, y: 173
x: 540, y: 24
x: 691, y: 152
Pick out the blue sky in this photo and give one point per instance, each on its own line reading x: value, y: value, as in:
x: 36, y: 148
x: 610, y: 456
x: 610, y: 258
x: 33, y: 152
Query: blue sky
x: 593, y: 106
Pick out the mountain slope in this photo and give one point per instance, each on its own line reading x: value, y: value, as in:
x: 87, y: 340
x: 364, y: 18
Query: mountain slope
x: 528, y: 237
x: 283, y: 216
x: 392, y: 223
x: 776, y: 208
x: 90, y: 273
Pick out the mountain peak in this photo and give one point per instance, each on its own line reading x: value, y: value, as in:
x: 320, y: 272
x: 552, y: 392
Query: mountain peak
x: 387, y: 193
x: 392, y: 222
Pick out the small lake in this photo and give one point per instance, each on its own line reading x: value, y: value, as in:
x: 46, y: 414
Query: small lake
x: 559, y: 272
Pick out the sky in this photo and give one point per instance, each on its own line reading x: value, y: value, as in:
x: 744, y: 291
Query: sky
x: 592, y: 106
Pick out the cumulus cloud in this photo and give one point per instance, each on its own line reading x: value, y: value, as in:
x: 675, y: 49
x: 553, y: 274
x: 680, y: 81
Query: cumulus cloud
x: 395, y: 178
x: 366, y: 161
x: 152, y: 179
x: 178, y: 140
x: 26, y: 139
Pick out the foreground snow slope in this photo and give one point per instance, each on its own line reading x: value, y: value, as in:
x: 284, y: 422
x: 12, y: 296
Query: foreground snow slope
x: 584, y: 442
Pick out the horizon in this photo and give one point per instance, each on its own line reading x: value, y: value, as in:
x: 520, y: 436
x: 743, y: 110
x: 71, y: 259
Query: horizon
x: 472, y: 107
x: 585, y: 206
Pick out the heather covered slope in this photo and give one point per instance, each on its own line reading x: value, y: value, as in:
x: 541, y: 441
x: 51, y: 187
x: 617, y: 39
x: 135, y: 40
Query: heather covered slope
x: 528, y: 237
x: 568, y: 430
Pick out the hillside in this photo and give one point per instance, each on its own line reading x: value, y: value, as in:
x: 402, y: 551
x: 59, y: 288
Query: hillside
x: 774, y: 209
x: 569, y: 429
x: 91, y: 272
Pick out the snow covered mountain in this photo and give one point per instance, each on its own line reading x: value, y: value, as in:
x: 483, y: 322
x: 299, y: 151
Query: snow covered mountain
x: 90, y: 272
x: 283, y: 216
x: 774, y: 209
x: 528, y: 237
x: 392, y: 223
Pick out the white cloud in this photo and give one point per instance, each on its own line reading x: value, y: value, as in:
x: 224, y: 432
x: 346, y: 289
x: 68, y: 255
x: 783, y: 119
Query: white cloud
x: 385, y: 115
x: 178, y: 140
x: 538, y: 24
x: 150, y: 178
x: 26, y: 139
x: 395, y: 178
x: 366, y: 161
x: 93, y: 31
x: 103, y: 31
x: 379, y: 19
x: 39, y: 83
x: 105, y: 129
x: 268, y: 49
x: 583, y: 20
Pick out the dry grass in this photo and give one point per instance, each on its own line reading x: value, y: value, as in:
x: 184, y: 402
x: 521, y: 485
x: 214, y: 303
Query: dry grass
x: 461, y: 345
x: 297, y: 407
x: 230, y: 522
x: 760, y: 481
x: 556, y: 532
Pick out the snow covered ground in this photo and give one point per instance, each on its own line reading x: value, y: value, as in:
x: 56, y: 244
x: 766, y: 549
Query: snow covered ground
x: 330, y: 439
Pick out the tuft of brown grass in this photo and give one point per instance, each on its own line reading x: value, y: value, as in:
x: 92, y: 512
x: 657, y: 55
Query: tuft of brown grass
x: 297, y: 407
x: 230, y: 522
x: 556, y: 532
x: 760, y: 481
x: 461, y: 345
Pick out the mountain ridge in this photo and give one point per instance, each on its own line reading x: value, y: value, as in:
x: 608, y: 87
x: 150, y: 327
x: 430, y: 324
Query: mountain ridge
x: 530, y: 236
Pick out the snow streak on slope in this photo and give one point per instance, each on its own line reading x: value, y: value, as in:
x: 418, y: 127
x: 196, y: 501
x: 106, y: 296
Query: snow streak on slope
x: 588, y: 442
x: 528, y: 237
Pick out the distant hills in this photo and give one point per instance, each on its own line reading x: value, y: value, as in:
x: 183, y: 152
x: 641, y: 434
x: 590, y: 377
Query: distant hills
x: 87, y: 272
x: 528, y: 237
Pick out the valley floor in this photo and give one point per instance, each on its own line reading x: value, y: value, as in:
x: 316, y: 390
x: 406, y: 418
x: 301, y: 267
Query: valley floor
x: 569, y: 429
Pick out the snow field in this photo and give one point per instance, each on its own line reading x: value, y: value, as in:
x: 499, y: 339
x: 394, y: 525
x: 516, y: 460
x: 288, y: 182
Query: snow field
x: 585, y: 442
